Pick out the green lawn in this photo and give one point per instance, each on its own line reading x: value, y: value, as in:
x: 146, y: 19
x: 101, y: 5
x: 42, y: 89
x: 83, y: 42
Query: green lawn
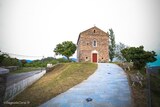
x: 62, y: 78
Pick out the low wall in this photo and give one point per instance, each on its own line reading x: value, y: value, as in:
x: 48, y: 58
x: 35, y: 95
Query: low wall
x: 16, y: 88
x: 52, y: 68
x: 3, y: 79
x: 11, y: 68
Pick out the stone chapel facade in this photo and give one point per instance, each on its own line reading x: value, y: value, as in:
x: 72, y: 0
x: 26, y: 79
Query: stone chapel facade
x: 93, y: 46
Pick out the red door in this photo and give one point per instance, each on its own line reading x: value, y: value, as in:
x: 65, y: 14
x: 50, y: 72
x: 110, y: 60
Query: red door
x: 94, y: 57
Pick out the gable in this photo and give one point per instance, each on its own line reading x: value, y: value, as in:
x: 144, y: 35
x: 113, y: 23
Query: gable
x: 92, y: 31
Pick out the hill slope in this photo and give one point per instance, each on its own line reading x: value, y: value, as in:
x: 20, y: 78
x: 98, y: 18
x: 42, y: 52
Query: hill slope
x: 55, y: 82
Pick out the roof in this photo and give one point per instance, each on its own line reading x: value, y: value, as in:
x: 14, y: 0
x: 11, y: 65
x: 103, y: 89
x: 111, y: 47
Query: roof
x: 88, y: 30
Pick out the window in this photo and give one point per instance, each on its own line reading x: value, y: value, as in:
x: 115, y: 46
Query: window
x: 94, y: 31
x: 94, y: 43
x: 86, y: 57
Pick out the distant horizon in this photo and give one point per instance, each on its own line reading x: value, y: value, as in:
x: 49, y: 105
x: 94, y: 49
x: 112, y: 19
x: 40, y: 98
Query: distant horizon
x: 150, y: 64
x: 57, y: 56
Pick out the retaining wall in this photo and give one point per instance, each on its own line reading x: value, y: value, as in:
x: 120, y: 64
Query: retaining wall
x: 11, y: 68
x: 16, y: 88
x: 3, y: 80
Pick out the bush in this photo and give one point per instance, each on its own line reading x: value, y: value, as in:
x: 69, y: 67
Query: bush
x: 41, y: 63
x: 23, y: 61
x: 44, y: 62
x: 34, y: 64
x: 138, y: 56
x: 10, y: 62
x: 62, y: 60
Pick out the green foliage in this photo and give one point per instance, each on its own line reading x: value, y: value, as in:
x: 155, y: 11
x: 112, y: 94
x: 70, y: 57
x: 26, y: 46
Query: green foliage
x: 48, y: 59
x: 67, y: 48
x: 3, y: 56
x: 118, y: 49
x: 6, y: 60
x: 10, y: 62
x: 112, y: 45
x: 63, y: 60
x: 138, y: 56
x: 23, y: 61
x: 42, y: 62
x: 45, y: 61
x: 36, y: 63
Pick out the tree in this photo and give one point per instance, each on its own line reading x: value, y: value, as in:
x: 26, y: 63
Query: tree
x: 6, y: 60
x: 111, y: 45
x: 3, y: 56
x: 138, y: 56
x: 23, y: 61
x: 67, y: 48
x: 119, y: 47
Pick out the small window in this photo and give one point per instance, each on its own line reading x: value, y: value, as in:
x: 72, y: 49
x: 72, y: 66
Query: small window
x: 94, y: 31
x: 86, y: 57
x: 94, y: 43
x: 102, y: 57
x: 87, y: 43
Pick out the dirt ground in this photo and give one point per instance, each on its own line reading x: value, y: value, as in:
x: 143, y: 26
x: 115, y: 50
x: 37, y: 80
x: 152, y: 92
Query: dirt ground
x: 139, y: 93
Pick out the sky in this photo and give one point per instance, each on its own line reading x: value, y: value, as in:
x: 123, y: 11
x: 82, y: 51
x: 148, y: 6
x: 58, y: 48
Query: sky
x: 34, y: 27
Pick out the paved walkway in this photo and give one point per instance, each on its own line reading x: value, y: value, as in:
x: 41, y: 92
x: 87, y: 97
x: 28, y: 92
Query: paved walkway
x: 13, y: 78
x: 107, y: 87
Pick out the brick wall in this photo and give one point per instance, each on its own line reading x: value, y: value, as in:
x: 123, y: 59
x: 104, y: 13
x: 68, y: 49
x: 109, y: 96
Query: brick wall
x: 85, y: 45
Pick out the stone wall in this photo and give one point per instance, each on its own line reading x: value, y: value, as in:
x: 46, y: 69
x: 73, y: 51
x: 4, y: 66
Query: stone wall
x: 16, y: 88
x: 85, y: 45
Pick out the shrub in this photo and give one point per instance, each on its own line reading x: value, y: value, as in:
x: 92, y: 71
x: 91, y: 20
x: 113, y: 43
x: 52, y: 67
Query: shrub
x: 62, y: 60
x: 138, y: 56
x: 10, y: 62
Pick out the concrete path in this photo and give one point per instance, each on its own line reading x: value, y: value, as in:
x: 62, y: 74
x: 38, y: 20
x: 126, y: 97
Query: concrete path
x: 107, y: 87
x: 13, y: 78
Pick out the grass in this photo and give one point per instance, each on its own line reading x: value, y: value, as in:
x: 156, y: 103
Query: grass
x: 59, y: 80
x: 25, y: 69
